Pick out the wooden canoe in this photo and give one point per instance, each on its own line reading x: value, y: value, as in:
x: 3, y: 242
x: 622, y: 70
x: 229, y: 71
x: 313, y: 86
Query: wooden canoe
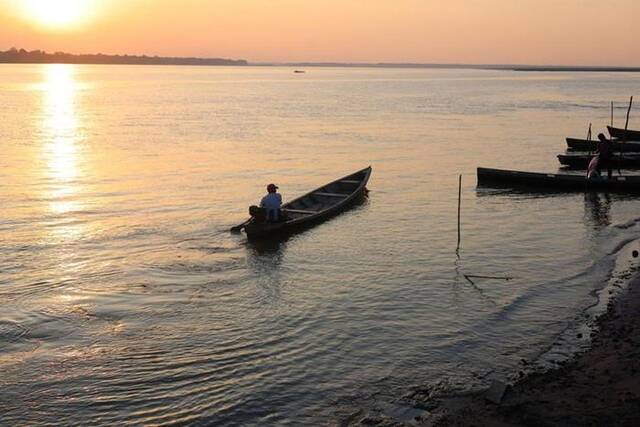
x: 556, y: 182
x: 631, y: 135
x: 315, y: 206
x: 576, y: 144
x: 581, y: 161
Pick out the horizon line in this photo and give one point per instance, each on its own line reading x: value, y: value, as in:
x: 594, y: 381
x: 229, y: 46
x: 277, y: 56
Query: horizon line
x: 216, y: 61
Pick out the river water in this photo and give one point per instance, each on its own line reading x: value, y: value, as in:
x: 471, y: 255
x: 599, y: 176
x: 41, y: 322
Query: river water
x: 125, y: 300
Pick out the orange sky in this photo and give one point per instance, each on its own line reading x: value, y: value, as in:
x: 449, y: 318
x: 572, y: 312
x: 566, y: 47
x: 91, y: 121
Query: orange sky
x: 572, y: 32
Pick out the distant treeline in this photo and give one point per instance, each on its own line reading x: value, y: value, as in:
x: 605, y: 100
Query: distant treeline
x: 21, y: 56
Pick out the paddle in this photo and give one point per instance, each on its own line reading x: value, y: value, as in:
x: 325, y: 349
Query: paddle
x: 624, y: 135
x: 238, y: 228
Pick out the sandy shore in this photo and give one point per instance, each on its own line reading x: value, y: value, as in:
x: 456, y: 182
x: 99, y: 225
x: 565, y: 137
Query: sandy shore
x: 599, y: 387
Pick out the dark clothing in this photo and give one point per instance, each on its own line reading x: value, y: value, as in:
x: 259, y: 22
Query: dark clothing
x: 260, y: 214
x: 605, y: 151
x: 605, y: 164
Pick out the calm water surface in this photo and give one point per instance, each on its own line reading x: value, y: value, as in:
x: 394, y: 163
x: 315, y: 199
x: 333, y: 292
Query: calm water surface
x: 125, y: 300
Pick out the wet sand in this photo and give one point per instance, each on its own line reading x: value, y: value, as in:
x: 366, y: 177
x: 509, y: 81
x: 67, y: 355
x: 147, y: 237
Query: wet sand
x: 598, y: 387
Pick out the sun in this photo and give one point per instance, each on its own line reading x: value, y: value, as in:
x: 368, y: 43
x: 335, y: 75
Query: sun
x: 57, y: 13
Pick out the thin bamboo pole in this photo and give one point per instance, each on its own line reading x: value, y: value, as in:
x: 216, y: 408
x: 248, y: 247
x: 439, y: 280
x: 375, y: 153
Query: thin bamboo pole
x: 611, y: 113
x: 459, y: 203
x: 624, y: 135
x: 626, y: 123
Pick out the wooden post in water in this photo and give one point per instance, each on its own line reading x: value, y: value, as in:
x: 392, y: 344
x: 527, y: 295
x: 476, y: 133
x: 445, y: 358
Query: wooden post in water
x: 626, y: 124
x: 459, y: 203
x: 624, y: 135
x: 611, y: 113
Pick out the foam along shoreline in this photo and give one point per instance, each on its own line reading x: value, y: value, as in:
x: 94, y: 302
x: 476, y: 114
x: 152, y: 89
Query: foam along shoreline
x: 600, y: 386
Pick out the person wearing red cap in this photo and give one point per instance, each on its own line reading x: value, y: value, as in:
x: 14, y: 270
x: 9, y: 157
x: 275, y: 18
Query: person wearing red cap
x: 272, y: 203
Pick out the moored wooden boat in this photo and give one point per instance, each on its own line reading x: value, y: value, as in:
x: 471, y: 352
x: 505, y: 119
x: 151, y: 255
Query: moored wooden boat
x: 581, y: 161
x: 556, y: 182
x: 576, y: 144
x: 631, y: 135
x: 314, y: 207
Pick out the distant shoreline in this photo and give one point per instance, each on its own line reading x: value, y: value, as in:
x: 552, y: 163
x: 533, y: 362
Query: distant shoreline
x: 578, y: 69
x: 22, y: 56
x: 499, y: 67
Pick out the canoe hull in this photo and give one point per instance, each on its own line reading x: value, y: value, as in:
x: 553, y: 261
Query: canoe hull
x: 576, y: 144
x: 282, y: 230
x: 325, y: 202
x: 626, y: 161
x: 555, y: 182
x: 631, y: 135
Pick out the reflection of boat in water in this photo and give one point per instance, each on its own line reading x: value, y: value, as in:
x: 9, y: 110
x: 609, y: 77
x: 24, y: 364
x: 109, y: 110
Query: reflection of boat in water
x: 556, y: 182
x: 314, y: 207
x: 299, y: 71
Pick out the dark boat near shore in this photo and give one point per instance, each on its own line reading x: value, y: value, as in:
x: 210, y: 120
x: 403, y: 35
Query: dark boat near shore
x: 555, y: 182
x: 315, y: 206
x: 577, y: 144
x: 581, y: 161
x: 631, y: 135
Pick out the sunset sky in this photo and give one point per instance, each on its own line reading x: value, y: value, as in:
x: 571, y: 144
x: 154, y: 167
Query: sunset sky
x: 564, y: 32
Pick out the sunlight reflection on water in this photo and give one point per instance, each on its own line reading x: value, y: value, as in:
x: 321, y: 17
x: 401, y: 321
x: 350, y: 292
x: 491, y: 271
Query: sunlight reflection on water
x: 61, y: 122
x: 60, y: 125
x: 60, y: 146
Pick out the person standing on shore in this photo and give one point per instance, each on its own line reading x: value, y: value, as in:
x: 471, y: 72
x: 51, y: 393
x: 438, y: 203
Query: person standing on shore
x: 605, y: 154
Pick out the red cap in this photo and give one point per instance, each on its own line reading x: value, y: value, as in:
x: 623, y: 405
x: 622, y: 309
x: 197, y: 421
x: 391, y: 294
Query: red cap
x: 271, y: 188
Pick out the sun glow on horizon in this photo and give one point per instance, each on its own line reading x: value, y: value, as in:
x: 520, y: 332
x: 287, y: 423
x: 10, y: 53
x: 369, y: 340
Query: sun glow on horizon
x: 414, y: 31
x: 58, y: 13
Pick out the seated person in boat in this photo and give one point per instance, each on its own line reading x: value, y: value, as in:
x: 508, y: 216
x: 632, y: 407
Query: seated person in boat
x: 605, y: 154
x: 270, y: 204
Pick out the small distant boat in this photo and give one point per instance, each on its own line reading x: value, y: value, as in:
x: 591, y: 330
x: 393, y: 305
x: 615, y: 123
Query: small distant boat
x: 631, y: 135
x: 315, y: 206
x: 299, y: 71
x: 577, y: 144
x: 555, y: 182
x: 581, y: 161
